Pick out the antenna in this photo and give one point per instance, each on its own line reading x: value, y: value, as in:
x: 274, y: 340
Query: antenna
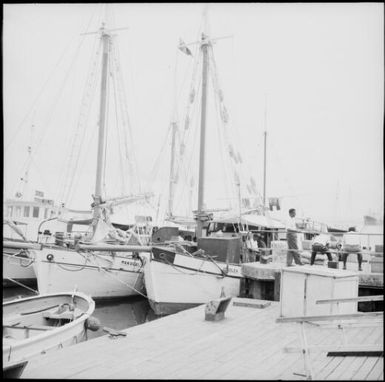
x: 205, y: 32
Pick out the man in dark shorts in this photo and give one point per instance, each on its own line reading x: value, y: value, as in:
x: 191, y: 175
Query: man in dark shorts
x: 291, y: 236
x: 320, y: 244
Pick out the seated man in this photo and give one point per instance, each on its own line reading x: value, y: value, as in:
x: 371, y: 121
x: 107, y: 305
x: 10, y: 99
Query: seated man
x: 351, y: 243
x: 320, y: 244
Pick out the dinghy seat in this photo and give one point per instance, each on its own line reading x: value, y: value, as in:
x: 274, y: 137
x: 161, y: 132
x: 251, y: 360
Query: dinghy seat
x: 12, y: 321
x: 27, y: 330
x: 29, y: 327
x: 59, y: 316
x: 63, y: 312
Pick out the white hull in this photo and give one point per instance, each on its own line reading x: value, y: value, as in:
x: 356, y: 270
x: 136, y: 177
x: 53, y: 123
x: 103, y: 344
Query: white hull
x: 187, y: 282
x: 18, y: 268
x: 20, y: 345
x: 97, y: 274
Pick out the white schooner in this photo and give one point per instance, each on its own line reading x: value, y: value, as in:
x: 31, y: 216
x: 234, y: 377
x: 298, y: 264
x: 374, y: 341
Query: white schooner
x: 182, y: 274
x: 104, y: 261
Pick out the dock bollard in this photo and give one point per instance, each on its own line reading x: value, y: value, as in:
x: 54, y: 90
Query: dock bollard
x: 215, y: 309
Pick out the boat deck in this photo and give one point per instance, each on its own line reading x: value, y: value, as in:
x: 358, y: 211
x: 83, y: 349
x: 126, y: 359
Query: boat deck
x: 247, y: 344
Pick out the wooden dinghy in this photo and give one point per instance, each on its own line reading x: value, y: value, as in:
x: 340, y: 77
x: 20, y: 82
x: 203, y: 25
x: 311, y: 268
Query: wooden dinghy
x: 35, y: 325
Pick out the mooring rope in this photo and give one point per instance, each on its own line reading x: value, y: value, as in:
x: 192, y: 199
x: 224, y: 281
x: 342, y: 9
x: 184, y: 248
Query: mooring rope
x: 21, y: 258
x: 22, y: 285
x: 82, y: 266
x: 124, y: 283
x: 179, y: 269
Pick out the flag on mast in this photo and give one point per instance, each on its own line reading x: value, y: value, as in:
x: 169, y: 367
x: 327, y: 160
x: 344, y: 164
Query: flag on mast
x: 182, y: 47
x: 274, y: 202
x: 39, y: 194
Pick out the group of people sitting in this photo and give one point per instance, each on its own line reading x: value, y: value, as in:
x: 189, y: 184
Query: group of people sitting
x: 351, y: 243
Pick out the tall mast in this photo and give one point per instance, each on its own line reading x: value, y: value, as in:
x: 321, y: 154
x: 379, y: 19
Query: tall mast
x: 106, y: 40
x: 174, y: 126
x: 172, y: 165
x: 205, y: 67
x: 264, y: 159
x: 264, y: 171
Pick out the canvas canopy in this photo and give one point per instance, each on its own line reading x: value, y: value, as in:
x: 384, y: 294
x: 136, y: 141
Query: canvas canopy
x: 256, y: 220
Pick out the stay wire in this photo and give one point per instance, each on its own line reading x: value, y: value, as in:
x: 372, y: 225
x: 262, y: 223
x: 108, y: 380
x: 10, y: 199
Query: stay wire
x: 77, y: 144
x: 187, y: 163
x: 122, y: 171
x: 18, y: 128
x: 129, y: 146
x: 221, y: 133
x: 60, y: 92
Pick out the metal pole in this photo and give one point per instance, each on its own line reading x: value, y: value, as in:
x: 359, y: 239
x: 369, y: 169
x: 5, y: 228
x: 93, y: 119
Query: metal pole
x: 264, y: 172
x: 172, y: 162
x: 240, y: 204
x: 102, y: 120
x: 205, y: 66
x: 264, y: 158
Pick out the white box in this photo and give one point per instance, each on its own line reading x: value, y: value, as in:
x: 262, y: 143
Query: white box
x: 302, y: 286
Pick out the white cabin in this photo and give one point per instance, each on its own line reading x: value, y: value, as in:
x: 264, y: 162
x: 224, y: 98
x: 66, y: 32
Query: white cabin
x: 29, y: 214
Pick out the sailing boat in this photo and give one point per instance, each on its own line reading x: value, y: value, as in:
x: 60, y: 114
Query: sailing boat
x: 21, y: 230
x: 103, y: 261
x: 185, y: 274
x: 17, y: 257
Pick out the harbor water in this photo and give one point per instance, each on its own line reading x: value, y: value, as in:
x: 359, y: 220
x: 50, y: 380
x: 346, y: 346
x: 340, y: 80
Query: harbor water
x: 116, y: 314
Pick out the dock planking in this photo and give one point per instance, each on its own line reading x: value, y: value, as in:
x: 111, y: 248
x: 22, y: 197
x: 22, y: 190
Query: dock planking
x: 247, y: 344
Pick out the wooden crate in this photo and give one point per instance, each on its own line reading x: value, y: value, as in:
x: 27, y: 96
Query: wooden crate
x: 226, y: 249
x: 302, y: 286
x: 279, y: 251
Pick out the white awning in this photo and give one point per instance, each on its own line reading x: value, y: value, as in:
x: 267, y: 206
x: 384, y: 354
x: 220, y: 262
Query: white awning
x: 252, y: 219
x: 261, y: 220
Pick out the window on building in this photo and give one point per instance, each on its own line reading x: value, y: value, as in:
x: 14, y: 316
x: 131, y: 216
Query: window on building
x: 45, y: 213
x: 26, y: 211
x: 35, y: 213
x: 18, y: 212
x: 10, y: 211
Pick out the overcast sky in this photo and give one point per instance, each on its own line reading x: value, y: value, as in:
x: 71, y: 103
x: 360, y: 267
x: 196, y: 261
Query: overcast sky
x: 319, y: 68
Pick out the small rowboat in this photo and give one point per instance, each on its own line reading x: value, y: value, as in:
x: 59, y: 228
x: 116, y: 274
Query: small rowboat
x: 35, y: 325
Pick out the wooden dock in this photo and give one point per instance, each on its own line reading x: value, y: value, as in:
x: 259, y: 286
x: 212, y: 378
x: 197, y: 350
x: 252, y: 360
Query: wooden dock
x: 263, y: 280
x: 270, y: 271
x: 247, y: 344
